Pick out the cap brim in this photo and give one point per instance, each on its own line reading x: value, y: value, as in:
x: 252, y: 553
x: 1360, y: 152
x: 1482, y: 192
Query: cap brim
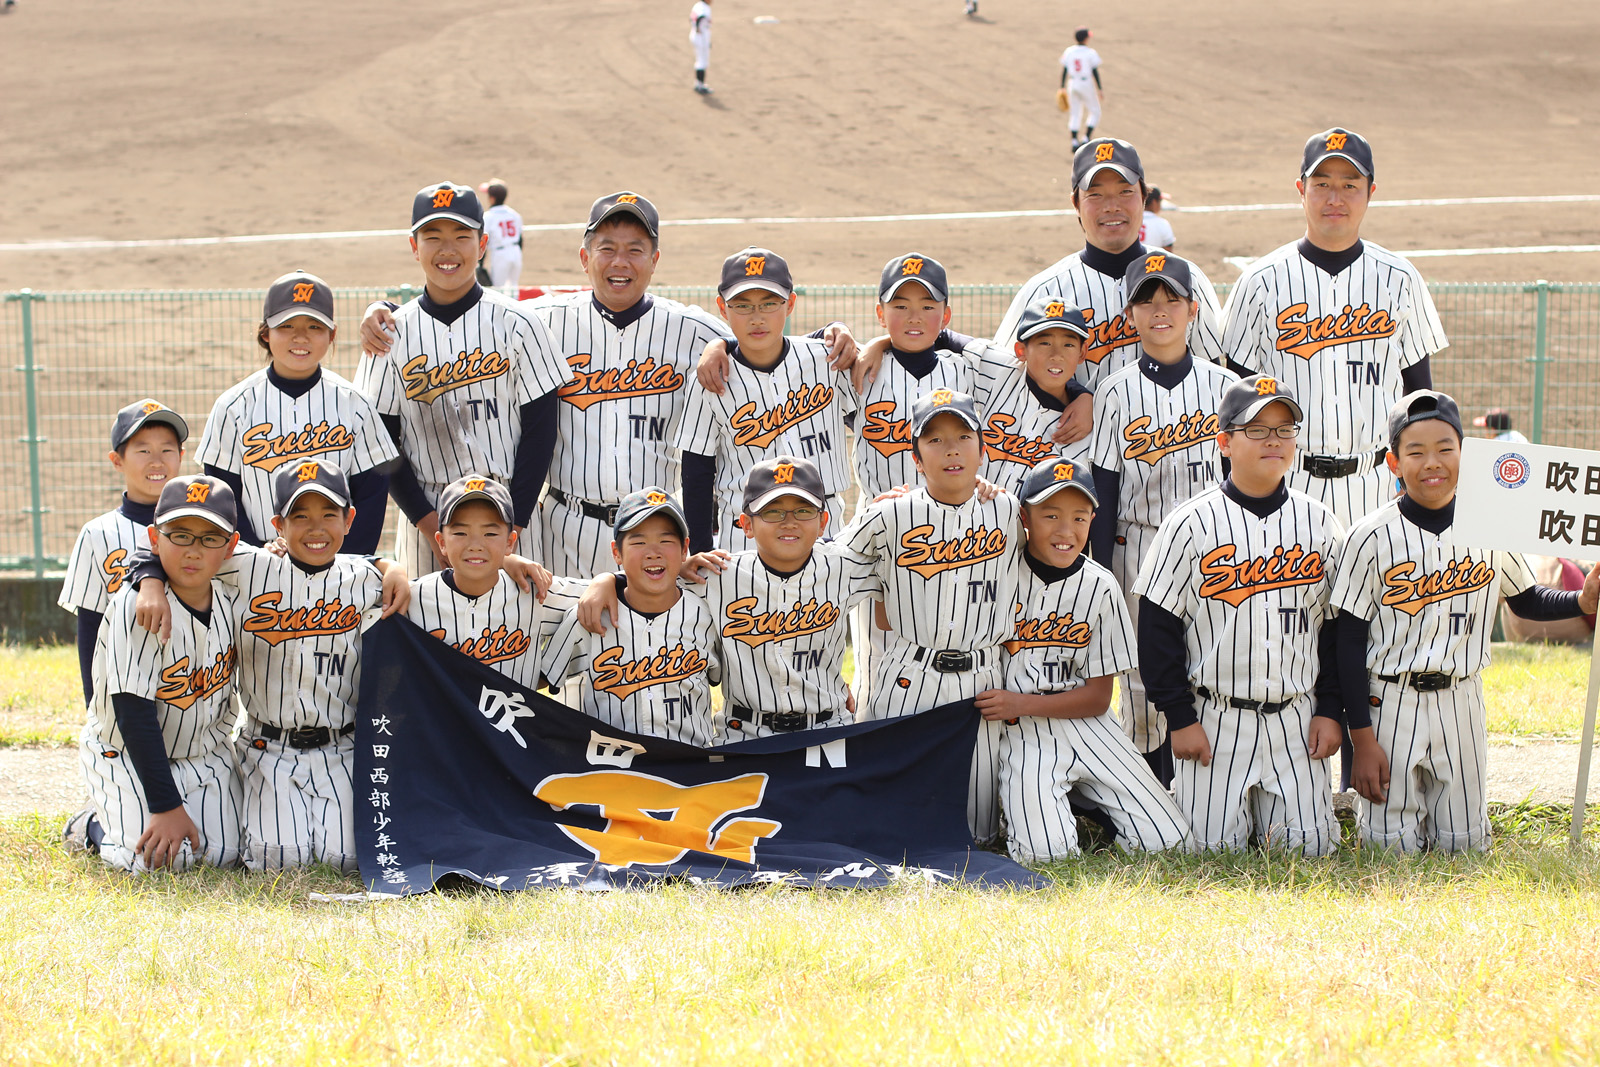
x: 744, y: 285
x: 311, y: 487
x: 467, y: 498
x: 778, y: 491
x: 894, y: 287
x: 1052, y: 324
x: 1153, y: 279
x: 1259, y: 405
x: 284, y: 316
x: 161, y: 417
x: 195, y: 512
x: 672, y: 513
x: 453, y: 216
x: 1129, y: 176
x: 621, y: 209
x: 1346, y: 156
x: 1051, y: 490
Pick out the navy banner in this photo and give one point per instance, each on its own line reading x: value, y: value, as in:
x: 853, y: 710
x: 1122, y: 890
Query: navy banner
x: 460, y: 772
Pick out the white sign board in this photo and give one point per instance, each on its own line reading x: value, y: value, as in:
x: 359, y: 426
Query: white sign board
x: 1545, y: 501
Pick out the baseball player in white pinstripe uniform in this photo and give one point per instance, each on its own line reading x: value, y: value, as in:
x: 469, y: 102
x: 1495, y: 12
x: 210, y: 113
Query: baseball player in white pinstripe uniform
x: 948, y: 563
x: 1072, y: 635
x: 1233, y: 644
x: 1155, y: 446
x: 1108, y: 193
x: 156, y: 756
x: 1416, y: 611
x: 467, y: 382
x: 474, y: 606
x: 781, y: 397
x: 1022, y: 412
x: 294, y: 409
x: 1345, y: 324
x: 653, y: 672
x: 146, y: 449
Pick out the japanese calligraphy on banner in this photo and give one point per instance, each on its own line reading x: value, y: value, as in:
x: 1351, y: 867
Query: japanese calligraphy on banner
x: 460, y: 773
x: 1529, y: 498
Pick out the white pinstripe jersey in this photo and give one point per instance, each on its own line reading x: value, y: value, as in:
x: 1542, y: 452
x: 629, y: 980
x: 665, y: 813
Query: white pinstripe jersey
x: 647, y: 675
x: 949, y: 572
x: 1068, y: 631
x: 618, y: 416
x: 255, y: 428
x: 784, y: 638
x: 1252, y: 592
x: 458, y: 387
x: 1016, y: 433
x: 98, y: 566
x: 191, y: 678
x: 300, y: 635
x: 1163, y: 442
x: 883, y: 421
x: 1113, y: 343
x: 1339, y: 342
x: 504, y: 628
x: 795, y: 408
x: 1430, y: 603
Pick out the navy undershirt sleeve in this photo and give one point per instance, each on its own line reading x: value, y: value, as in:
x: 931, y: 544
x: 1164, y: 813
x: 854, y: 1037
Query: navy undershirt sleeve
x: 1417, y: 376
x: 403, y: 485
x: 1355, y: 685
x: 1540, y: 603
x: 369, y: 494
x: 247, y: 532
x: 1162, y: 665
x: 143, y: 745
x: 88, y: 632
x: 1329, y: 700
x: 535, y: 449
x: 699, y: 507
x: 1103, y: 530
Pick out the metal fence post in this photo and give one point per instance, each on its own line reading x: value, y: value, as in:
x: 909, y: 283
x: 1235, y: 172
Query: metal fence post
x: 1541, y: 289
x: 33, y: 440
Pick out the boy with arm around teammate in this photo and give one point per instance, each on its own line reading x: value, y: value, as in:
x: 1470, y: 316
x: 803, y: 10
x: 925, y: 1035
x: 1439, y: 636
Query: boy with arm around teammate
x: 1022, y: 412
x: 1415, y: 613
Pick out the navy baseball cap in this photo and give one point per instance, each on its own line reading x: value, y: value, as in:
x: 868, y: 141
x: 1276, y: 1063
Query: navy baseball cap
x: 755, y: 268
x: 1049, y: 476
x: 201, y: 496
x: 447, y: 200
x: 472, y: 487
x: 1420, y: 406
x: 783, y: 476
x: 141, y: 413
x: 624, y: 203
x: 320, y: 476
x: 1051, y: 314
x: 298, y: 293
x: 1247, y: 398
x: 940, y: 402
x: 1102, y: 153
x: 913, y: 267
x: 1337, y: 142
x: 1153, y: 268
x: 641, y: 504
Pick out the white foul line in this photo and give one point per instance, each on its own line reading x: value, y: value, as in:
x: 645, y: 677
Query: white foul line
x: 782, y: 220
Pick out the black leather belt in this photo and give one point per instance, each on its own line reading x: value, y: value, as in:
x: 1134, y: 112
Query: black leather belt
x: 303, y: 736
x: 606, y: 513
x: 1421, y: 681
x: 787, y: 721
x: 1263, y: 707
x: 1337, y: 466
x: 950, y: 660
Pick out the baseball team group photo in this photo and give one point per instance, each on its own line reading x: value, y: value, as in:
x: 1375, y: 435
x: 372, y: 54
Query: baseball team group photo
x: 1059, y: 564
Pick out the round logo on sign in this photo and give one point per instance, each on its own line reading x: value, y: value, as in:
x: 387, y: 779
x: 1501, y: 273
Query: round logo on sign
x: 1511, y: 470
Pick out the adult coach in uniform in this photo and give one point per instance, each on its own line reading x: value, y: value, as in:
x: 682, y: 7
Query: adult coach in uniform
x: 1345, y: 324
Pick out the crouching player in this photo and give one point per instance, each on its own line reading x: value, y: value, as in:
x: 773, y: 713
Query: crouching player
x: 1073, y: 635
x: 1415, y: 613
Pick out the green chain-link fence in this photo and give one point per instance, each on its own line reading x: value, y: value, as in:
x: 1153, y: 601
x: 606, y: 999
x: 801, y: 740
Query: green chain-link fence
x: 77, y: 357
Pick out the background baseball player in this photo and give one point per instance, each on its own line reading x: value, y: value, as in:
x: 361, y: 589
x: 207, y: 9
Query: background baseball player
x: 1345, y: 324
x: 1080, y: 77
x: 468, y: 381
x: 156, y: 754
x: 1156, y: 231
x: 700, y: 40
x: 1416, y: 611
x: 1072, y: 635
x: 146, y: 450
x: 295, y: 409
x: 1022, y: 412
x: 503, y: 226
x: 1155, y: 446
x: 1233, y: 644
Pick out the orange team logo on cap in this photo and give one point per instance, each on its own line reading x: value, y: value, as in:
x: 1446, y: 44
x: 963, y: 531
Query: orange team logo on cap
x: 1055, y: 309
x: 655, y: 498
x: 941, y: 396
x: 1267, y: 387
x: 476, y: 485
x: 1063, y: 472
x: 627, y: 198
x: 1336, y: 141
x: 1102, y: 154
x: 151, y: 406
x: 302, y: 292
x: 912, y: 265
x: 783, y: 473
x: 443, y: 197
x: 754, y: 266
x: 308, y: 473
x: 1155, y: 263
x: 198, y: 491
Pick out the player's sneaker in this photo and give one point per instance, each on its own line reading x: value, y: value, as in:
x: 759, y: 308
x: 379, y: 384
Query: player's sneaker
x: 702, y: 88
x: 75, y: 835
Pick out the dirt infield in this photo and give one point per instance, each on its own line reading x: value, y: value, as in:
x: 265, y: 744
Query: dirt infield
x: 192, y: 118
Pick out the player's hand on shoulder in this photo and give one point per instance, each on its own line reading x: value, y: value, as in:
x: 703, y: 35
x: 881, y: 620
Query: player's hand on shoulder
x: 1076, y: 423
x: 893, y: 494
x: 277, y: 546
x: 700, y: 566
x: 1324, y: 738
x: 987, y: 490
x: 598, y: 603
x: 1191, y: 742
x: 712, y: 370
x: 377, y: 329
x: 1002, y: 705
x: 1369, y: 766
x: 841, y: 346
x: 151, y: 610
x: 530, y: 576
x: 396, y: 597
x: 162, y: 841
x: 864, y: 371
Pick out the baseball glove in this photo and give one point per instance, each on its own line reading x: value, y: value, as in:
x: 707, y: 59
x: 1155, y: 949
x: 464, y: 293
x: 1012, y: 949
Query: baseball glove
x: 1062, y: 102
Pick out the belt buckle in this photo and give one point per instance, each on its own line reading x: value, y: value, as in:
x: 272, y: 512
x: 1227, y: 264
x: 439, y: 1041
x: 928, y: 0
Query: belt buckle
x: 788, y: 720
x: 610, y: 511
x: 307, y: 737
x: 1322, y: 466
x: 1431, y: 682
x: 952, y: 661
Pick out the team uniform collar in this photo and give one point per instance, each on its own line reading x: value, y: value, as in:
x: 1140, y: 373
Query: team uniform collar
x: 623, y: 319
x: 139, y: 514
x: 295, y: 387
x: 1167, y: 375
x: 1045, y: 398
x: 776, y: 573
x: 1329, y: 262
x: 449, y: 313
x: 738, y: 357
x: 917, y: 364
x: 1114, y: 264
x: 1259, y: 506
x: 1050, y: 575
x: 1435, y: 520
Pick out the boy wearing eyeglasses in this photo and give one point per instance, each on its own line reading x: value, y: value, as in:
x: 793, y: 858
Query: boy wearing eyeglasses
x: 1236, y: 639
x: 156, y: 756
x: 781, y: 398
